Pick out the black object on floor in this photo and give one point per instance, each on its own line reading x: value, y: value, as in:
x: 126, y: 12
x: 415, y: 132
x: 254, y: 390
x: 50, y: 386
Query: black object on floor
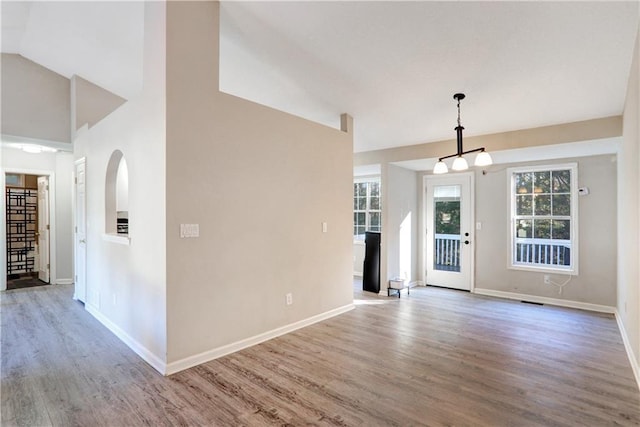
x: 24, y: 281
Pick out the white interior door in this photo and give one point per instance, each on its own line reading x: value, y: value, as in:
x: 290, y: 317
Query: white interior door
x: 81, y: 232
x: 449, y: 235
x: 43, y: 228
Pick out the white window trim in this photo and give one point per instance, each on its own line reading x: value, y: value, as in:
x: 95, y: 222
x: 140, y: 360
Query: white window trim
x: 122, y: 239
x: 368, y: 178
x: 575, y: 244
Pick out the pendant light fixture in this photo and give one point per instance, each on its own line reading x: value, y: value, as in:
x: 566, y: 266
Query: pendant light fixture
x: 460, y: 163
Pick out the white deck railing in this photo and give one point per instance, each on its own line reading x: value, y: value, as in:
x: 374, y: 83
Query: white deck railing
x: 447, y: 251
x: 528, y: 251
x: 543, y: 252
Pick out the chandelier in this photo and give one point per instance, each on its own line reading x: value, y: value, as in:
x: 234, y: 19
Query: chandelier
x: 460, y: 163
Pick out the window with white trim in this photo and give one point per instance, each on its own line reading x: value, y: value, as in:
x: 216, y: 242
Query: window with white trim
x: 544, y: 218
x: 366, y: 206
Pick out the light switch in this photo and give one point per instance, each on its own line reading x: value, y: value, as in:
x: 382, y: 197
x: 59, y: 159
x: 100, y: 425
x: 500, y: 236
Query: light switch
x: 478, y: 226
x: 324, y: 227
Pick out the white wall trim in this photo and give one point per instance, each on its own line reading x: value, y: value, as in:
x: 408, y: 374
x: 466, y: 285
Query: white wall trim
x: 215, y: 353
x: 115, y: 238
x: 64, y: 282
x: 545, y: 300
x: 153, y: 360
x: 627, y: 345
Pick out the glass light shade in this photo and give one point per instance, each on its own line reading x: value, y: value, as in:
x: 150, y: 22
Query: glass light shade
x: 440, y: 168
x: 483, y: 159
x: 460, y: 164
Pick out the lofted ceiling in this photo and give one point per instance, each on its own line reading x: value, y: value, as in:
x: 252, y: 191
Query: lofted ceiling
x: 394, y: 66
x: 101, y: 41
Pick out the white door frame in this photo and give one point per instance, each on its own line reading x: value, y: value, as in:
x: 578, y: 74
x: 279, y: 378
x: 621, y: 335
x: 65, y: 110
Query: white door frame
x: 472, y: 231
x: 79, y: 294
x: 3, y: 221
x: 44, y: 230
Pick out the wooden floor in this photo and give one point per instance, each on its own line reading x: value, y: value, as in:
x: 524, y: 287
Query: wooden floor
x: 436, y: 357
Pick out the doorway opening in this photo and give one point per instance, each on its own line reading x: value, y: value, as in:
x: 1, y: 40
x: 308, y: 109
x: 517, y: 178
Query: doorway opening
x: 448, y: 256
x: 27, y: 222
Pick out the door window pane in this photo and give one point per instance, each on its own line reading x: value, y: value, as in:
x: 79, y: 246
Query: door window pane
x: 446, y: 217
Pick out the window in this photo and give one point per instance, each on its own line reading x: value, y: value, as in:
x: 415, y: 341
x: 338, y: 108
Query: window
x: 544, y: 218
x: 366, y: 207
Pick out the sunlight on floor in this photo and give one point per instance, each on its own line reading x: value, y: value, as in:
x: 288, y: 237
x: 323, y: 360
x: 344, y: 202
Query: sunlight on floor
x: 369, y: 302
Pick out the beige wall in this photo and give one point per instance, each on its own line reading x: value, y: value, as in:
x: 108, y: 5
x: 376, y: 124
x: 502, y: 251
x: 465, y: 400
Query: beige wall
x: 596, y: 281
x: 126, y: 284
x: 536, y: 137
x: 259, y: 183
x: 35, y: 101
x: 90, y: 103
x: 628, y: 303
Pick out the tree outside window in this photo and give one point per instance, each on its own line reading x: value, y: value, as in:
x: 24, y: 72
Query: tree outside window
x: 543, y: 217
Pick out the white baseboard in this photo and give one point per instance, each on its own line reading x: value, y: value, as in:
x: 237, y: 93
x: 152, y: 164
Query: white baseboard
x: 215, y: 353
x: 627, y: 345
x: 134, y: 345
x: 64, y: 282
x: 546, y: 300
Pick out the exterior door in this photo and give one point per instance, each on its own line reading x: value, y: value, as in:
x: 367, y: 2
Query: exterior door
x: 449, y: 235
x: 43, y: 228
x: 81, y: 232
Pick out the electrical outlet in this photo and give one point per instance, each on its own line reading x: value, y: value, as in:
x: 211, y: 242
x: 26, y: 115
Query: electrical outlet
x: 289, y: 298
x: 547, y: 279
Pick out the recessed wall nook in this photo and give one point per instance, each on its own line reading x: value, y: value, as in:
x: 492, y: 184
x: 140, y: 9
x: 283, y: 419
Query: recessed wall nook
x: 117, y: 199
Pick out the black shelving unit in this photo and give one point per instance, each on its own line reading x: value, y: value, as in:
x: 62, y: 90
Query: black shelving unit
x: 22, y: 227
x: 371, y: 268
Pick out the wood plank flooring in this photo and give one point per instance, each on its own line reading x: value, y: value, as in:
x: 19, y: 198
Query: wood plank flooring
x: 437, y: 357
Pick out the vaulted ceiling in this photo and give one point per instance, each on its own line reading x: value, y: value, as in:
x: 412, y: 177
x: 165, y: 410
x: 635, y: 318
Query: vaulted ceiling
x: 394, y: 66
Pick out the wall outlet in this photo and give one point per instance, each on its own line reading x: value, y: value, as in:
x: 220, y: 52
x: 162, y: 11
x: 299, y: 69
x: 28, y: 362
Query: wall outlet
x: 289, y: 298
x: 189, y: 230
x: 547, y: 279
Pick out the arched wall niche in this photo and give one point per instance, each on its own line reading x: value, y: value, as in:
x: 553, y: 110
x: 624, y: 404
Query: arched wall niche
x: 117, y: 195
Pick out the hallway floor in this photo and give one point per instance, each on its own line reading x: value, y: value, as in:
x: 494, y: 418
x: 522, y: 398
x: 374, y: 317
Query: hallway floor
x: 24, y: 281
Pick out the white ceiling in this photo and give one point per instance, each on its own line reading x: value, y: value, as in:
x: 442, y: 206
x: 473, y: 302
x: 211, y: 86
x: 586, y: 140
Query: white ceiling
x: 394, y: 66
x: 99, y: 41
